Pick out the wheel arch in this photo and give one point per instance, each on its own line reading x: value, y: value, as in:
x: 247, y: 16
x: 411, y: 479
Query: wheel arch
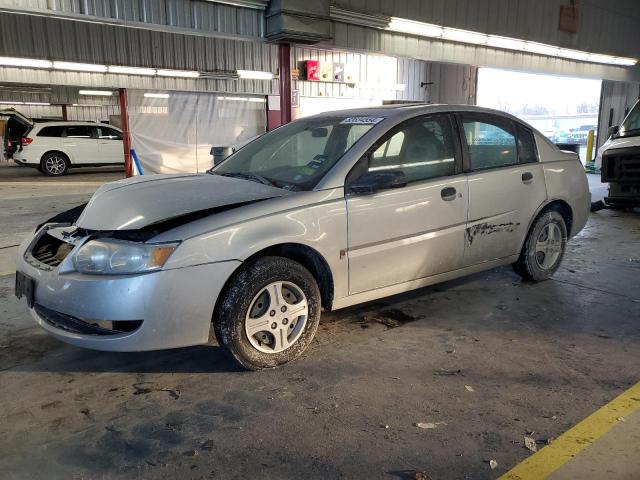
x: 56, y: 150
x: 305, y: 255
x: 559, y: 205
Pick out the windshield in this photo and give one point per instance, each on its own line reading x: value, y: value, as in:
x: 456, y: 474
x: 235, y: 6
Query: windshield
x: 297, y: 155
x: 631, y: 124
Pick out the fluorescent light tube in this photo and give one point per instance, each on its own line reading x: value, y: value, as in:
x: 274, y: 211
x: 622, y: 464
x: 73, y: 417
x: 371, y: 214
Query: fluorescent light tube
x: 254, y: 75
x: 415, y: 28
x: 464, y: 36
x: 9, y: 102
x: 504, y: 42
x: 628, y: 62
x: 80, y: 67
x: 132, y: 70
x: 96, y: 93
x: 45, y: 104
x: 156, y: 95
x: 178, y: 73
x: 24, y: 62
x: 573, y: 54
x: 541, y: 49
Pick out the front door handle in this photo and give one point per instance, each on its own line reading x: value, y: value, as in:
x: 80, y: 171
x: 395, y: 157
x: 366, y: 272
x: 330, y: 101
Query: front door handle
x: 448, y: 194
x: 527, y: 177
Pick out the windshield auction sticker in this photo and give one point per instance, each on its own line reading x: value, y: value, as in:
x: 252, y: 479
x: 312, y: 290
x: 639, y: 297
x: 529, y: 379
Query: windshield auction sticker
x: 362, y: 120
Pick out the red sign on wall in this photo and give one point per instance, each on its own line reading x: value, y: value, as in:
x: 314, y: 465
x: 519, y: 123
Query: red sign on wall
x: 313, y: 70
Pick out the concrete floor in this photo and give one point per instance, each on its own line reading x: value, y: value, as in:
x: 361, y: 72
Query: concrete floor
x: 537, y: 358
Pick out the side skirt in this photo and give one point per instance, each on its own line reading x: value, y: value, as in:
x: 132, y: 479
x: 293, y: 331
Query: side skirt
x: 419, y: 283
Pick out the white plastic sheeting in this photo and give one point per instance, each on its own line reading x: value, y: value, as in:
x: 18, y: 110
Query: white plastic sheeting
x: 175, y: 134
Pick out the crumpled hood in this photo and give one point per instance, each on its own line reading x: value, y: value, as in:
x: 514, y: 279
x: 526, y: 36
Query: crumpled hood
x: 137, y: 202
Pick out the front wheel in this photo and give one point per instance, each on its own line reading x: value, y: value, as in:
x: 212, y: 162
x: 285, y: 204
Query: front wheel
x: 543, y: 248
x: 268, y: 313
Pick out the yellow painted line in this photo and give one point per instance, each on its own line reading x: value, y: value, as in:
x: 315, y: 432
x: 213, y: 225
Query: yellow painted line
x: 550, y: 458
x: 4, y: 274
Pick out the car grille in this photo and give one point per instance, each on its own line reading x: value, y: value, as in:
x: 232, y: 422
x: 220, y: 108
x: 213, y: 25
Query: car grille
x: 72, y: 324
x: 50, y: 251
x: 623, y: 166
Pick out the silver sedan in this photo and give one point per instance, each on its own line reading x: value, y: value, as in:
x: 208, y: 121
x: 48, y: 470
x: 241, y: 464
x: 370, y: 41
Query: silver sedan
x: 323, y: 213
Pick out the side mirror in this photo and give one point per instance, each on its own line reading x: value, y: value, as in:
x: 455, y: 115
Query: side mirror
x: 613, y: 130
x: 372, y: 182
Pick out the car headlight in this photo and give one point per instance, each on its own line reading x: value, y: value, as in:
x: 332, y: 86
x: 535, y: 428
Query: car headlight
x: 117, y: 257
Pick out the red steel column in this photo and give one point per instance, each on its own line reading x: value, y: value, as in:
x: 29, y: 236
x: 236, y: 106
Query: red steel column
x: 284, y: 61
x: 126, y: 136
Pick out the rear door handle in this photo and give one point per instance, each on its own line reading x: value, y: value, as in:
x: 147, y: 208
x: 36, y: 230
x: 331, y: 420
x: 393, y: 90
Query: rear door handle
x: 448, y: 194
x: 527, y: 177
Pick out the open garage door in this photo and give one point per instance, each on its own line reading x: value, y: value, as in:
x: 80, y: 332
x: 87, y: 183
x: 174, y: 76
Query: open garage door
x: 174, y: 132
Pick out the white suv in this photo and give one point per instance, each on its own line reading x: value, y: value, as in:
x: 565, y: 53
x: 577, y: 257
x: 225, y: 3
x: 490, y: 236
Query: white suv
x: 54, y: 147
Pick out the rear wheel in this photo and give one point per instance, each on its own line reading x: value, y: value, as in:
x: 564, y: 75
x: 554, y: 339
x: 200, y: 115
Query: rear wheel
x: 544, y: 247
x: 268, y: 313
x: 54, y: 164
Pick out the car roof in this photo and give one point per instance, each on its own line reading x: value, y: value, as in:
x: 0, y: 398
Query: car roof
x: 64, y: 123
x: 411, y: 109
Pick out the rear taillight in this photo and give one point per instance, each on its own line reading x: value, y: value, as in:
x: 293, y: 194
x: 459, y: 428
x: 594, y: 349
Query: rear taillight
x: 25, y: 141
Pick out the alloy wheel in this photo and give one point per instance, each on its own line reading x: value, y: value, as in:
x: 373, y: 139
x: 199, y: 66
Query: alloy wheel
x: 548, y: 246
x: 55, y: 164
x: 276, y: 317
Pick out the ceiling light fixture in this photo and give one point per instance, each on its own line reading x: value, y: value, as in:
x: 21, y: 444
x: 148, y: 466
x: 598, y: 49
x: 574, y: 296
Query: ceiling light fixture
x: 96, y: 93
x: 177, y: 73
x: 10, y: 102
x: 132, y: 70
x: 42, y: 104
x: 254, y: 75
x: 24, y: 62
x: 430, y: 30
x: 80, y: 67
x: 156, y: 95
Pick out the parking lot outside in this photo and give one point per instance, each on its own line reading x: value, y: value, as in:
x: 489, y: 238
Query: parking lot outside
x: 483, y: 361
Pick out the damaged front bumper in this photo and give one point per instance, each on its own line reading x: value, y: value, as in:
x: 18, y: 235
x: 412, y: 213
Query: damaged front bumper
x: 151, y: 311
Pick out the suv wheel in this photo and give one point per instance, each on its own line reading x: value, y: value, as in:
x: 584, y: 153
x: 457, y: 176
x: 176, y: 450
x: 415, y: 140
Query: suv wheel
x: 544, y: 247
x: 268, y: 313
x: 54, y: 164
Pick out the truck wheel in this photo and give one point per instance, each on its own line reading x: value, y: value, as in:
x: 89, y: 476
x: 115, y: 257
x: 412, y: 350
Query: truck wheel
x: 268, y: 313
x: 543, y: 248
x: 54, y: 164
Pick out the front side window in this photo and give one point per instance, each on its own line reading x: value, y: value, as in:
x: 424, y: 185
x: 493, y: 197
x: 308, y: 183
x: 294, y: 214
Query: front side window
x: 631, y: 124
x: 297, y: 156
x: 422, y: 148
x: 491, y: 142
x: 78, y: 131
x: 106, y: 133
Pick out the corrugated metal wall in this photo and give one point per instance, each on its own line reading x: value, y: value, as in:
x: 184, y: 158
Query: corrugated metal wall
x: 451, y: 83
x: 603, y: 26
x: 616, y: 99
x: 56, y: 39
x: 201, y: 16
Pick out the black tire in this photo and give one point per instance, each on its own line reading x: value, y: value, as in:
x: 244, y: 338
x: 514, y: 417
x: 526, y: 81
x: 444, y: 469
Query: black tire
x: 531, y: 264
x: 239, y: 295
x: 54, y: 164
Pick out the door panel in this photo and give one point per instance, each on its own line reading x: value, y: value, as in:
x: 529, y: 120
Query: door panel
x: 404, y: 234
x: 506, y: 185
x: 110, y: 145
x: 78, y: 141
x: 501, y: 205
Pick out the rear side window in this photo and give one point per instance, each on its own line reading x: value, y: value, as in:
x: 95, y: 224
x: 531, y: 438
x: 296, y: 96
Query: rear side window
x: 526, y: 145
x: 51, y: 131
x: 78, y: 131
x: 491, y: 141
